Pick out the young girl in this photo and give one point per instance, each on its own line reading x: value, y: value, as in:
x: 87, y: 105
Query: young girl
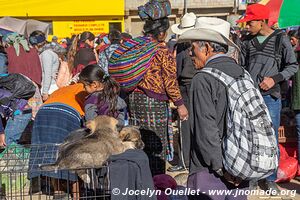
x: 104, y: 94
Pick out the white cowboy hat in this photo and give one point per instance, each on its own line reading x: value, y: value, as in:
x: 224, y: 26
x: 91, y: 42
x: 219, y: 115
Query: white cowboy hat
x: 187, y: 22
x: 209, y: 29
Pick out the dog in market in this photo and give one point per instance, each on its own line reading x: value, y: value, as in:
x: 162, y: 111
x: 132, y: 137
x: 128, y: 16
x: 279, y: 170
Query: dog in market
x: 90, y: 148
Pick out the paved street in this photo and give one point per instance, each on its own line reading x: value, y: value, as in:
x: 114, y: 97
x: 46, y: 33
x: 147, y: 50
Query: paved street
x: 293, y: 185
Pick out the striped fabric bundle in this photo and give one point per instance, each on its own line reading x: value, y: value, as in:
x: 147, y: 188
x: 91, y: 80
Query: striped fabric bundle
x: 130, y: 61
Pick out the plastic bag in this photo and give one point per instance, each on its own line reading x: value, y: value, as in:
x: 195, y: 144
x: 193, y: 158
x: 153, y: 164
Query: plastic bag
x: 288, y: 166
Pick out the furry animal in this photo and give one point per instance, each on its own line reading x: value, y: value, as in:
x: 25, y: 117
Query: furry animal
x: 131, y: 138
x: 89, y: 148
x: 99, y: 122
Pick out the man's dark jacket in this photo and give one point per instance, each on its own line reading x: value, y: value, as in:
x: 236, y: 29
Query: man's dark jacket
x: 208, y: 114
x: 130, y: 170
x: 185, y: 66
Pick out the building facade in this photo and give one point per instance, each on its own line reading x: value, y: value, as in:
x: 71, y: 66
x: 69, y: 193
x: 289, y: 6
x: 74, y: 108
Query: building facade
x: 215, y: 8
x: 68, y: 17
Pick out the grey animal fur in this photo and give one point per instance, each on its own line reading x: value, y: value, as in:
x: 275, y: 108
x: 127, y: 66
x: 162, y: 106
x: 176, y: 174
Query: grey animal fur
x: 90, y: 148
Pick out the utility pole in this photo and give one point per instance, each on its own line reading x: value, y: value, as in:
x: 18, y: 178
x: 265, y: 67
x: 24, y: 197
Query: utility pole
x: 185, y: 6
x: 236, y: 6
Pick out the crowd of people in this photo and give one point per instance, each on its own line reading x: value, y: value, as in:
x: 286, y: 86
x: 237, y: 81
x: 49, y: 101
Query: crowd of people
x: 135, y: 79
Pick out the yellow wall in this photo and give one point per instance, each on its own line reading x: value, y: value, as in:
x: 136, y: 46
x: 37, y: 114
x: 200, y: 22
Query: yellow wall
x: 68, y: 16
x: 38, y: 8
x: 67, y: 27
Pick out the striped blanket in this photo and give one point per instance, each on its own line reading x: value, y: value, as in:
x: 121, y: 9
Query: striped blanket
x: 130, y: 61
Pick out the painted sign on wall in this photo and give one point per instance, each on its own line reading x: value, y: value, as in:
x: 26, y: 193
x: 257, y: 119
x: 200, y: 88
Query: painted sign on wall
x: 93, y: 26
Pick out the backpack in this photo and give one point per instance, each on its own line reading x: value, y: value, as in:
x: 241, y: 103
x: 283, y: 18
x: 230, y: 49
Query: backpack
x: 284, y: 85
x: 130, y: 61
x: 277, y: 48
x: 250, y: 149
x: 19, y: 85
x: 63, y: 75
x: 8, y: 108
x: 18, y: 89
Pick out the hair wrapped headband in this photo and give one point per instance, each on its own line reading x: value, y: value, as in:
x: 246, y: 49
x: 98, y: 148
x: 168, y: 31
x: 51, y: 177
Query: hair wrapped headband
x: 155, y: 9
x: 160, y: 24
x: 37, y: 39
x: 106, y: 77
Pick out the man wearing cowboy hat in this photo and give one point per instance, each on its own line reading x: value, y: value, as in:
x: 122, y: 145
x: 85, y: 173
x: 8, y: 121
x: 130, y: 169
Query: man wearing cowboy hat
x: 267, y: 68
x: 208, y: 111
x: 185, y: 73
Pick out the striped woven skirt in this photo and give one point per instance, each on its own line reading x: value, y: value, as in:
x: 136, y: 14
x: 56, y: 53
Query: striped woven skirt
x: 154, y: 119
x: 53, y: 123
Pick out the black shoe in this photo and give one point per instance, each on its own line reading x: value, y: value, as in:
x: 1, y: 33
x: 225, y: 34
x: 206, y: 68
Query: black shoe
x: 271, y: 186
x: 2, y: 148
x: 176, y: 168
x: 253, y: 185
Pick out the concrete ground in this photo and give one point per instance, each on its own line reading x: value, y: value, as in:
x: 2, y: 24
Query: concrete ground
x: 293, y: 187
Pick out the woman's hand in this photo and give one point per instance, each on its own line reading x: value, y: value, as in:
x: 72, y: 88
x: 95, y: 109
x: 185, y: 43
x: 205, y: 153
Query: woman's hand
x: 45, y: 97
x: 2, y: 140
x: 182, y: 112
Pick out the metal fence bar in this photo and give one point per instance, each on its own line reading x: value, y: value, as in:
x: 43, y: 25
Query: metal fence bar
x: 16, y: 182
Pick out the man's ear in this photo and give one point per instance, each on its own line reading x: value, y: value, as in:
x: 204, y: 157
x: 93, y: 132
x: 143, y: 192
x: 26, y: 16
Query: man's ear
x: 263, y: 22
x: 207, y: 48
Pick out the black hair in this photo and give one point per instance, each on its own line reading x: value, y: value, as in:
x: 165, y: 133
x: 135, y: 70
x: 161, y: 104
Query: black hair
x: 2, y: 48
x: 111, y: 88
x: 86, y: 36
x: 37, y: 38
x: 126, y: 36
x: 155, y: 27
x: 294, y: 33
x: 114, y: 36
x: 76, y: 40
x: 219, y: 47
x: 235, y: 38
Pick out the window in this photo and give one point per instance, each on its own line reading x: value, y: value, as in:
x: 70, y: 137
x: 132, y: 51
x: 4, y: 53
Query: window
x: 115, y: 25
